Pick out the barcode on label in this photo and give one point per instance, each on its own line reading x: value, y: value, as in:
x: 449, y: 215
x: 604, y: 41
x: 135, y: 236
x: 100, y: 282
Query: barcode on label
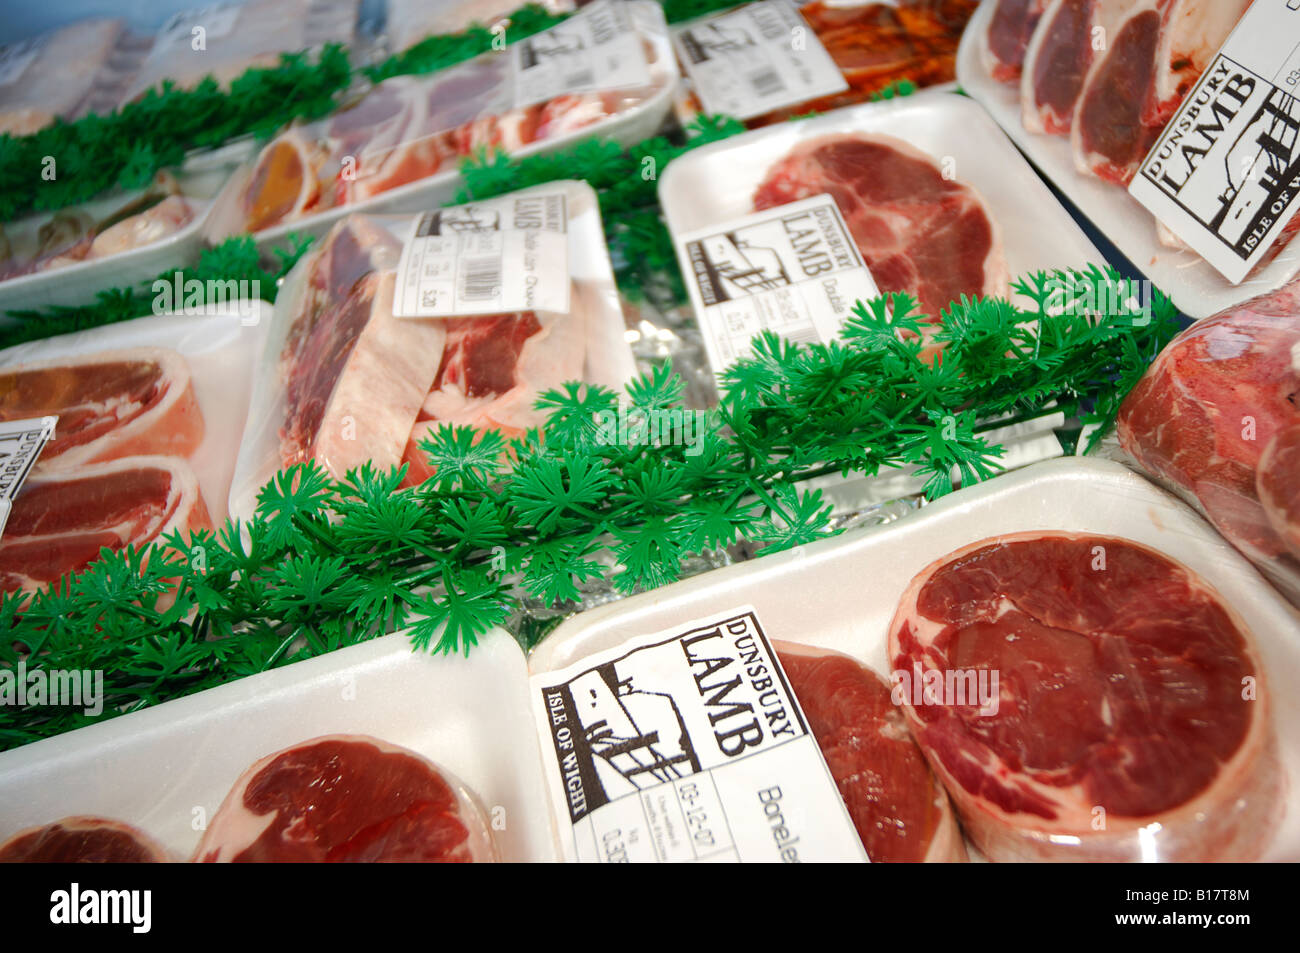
x: 766, y: 82
x: 580, y: 80
x: 481, y: 279
x: 806, y: 335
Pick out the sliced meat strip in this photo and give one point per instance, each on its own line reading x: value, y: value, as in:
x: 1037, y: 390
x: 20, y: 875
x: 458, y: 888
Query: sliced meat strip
x: 110, y: 405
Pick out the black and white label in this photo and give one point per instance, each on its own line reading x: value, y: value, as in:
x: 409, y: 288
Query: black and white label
x: 760, y: 57
x: 21, y: 443
x: 1224, y: 175
x: 688, y: 745
x: 597, y: 48
x: 14, y: 60
x: 507, y: 254
x: 794, y: 270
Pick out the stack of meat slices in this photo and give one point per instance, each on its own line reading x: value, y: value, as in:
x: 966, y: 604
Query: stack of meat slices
x: 1107, y: 73
x: 364, y: 385
x: 116, y: 472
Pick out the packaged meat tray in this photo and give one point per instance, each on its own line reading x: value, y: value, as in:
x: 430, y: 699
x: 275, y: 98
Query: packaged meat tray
x: 344, y: 380
x: 1130, y: 550
x: 397, y: 146
x: 115, y: 241
x: 757, y: 63
x: 150, y: 417
x: 1088, y: 118
x: 1215, y: 419
x: 224, y: 40
x: 63, y: 74
x: 454, y: 732
x: 482, y: 724
x: 937, y: 201
x: 407, y: 22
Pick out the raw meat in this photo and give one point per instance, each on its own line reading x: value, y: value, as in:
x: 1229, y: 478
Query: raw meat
x: 1278, y: 483
x: 1212, y: 402
x: 1133, y: 89
x: 346, y: 798
x: 898, y: 807
x: 110, y: 405
x: 410, y: 21
x: 355, y: 374
x: 1124, y: 729
x: 918, y: 231
x: 491, y: 372
x: 166, y: 218
x: 1069, y: 36
x: 82, y: 840
x: 406, y: 129
x: 1003, y: 45
x: 55, y: 77
x: 62, y: 519
x: 1213, y: 418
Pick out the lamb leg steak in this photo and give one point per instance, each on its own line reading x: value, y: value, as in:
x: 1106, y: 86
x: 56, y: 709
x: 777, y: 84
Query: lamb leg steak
x: 919, y: 231
x: 1132, y: 720
x: 82, y: 840
x: 346, y: 799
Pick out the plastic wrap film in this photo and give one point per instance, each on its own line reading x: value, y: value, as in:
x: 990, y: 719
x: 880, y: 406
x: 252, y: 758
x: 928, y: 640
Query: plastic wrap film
x: 344, y: 381
x: 876, y: 45
x: 62, y: 74
x: 410, y: 128
x: 410, y: 21
x: 225, y: 40
x: 1216, y: 419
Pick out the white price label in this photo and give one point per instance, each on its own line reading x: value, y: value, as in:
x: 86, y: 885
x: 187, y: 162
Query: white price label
x: 21, y: 443
x: 508, y: 254
x: 751, y: 61
x: 597, y: 48
x: 794, y: 270
x: 688, y: 745
x: 1224, y: 176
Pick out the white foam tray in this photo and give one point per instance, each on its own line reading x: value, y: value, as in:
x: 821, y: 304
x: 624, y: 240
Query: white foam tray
x: 221, y: 350
x: 716, y: 183
x: 77, y: 284
x: 595, y: 299
x: 627, y: 128
x: 1194, y: 286
x: 841, y: 593
x: 167, y: 769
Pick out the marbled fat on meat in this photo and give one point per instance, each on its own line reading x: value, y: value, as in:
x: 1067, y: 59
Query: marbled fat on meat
x: 110, y: 405
x: 1208, y: 408
x: 1122, y: 698
x: 346, y: 798
x: 61, y: 519
x: 918, y: 231
x: 82, y: 840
